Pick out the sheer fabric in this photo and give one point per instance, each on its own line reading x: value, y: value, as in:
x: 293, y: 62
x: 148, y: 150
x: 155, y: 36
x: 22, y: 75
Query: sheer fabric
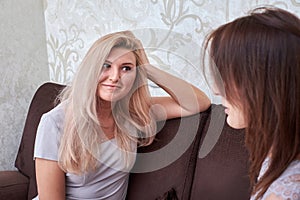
x: 285, y: 187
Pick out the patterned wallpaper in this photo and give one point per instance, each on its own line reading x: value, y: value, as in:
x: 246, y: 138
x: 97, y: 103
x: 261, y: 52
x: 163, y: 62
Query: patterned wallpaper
x: 171, y: 30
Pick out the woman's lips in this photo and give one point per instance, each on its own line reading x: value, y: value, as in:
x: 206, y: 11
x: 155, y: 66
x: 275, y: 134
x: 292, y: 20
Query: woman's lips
x: 111, y: 86
x: 226, y: 110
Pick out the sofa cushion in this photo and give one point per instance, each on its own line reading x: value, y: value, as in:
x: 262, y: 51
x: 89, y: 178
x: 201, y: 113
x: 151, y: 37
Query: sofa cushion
x: 221, y: 172
x: 13, y: 185
x: 42, y: 102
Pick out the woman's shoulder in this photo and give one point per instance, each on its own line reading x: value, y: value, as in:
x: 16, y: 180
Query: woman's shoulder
x: 54, y: 117
x: 49, y: 133
x: 287, y: 186
x: 57, y: 113
x: 292, y: 173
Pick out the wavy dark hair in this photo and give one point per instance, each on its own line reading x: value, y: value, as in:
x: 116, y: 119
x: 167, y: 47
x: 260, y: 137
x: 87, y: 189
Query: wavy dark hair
x: 258, y: 60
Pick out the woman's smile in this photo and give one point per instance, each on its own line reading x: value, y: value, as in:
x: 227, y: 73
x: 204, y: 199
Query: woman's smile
x: 111, y: 86
x: 118, y: 75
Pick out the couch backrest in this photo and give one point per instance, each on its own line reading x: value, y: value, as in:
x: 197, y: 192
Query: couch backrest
x: 220, y: 174
x: 42, y: 101
x: 177, y: 176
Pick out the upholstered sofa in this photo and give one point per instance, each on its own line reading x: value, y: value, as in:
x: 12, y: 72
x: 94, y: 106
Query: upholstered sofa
x: 198, y: 157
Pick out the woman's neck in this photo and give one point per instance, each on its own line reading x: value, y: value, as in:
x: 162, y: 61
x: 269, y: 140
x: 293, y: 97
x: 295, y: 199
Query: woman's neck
x: 106, y: 119
x: 104, y: 109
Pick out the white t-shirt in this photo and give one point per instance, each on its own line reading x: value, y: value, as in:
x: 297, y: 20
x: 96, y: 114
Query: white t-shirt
x: 108, y: 182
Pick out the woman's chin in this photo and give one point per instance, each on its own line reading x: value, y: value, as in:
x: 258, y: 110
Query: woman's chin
x: 235, y: 124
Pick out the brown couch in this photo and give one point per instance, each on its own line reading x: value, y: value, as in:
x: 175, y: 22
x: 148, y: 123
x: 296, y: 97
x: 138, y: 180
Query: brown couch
x: 179, y: 164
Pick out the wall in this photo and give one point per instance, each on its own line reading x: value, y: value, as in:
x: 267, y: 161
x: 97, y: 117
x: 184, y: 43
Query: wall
x: 23, y: 66
x: 171, y: 30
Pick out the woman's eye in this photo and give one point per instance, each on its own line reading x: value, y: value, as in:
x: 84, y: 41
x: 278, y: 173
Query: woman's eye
x: 126, y: 68
x: 106, y: 65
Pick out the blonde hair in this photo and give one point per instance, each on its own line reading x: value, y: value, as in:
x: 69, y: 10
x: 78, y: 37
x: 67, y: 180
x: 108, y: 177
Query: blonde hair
x: 79, y: 146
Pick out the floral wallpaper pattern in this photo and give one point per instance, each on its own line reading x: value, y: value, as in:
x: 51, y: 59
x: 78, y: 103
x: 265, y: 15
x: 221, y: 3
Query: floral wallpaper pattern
x: 171, y: 30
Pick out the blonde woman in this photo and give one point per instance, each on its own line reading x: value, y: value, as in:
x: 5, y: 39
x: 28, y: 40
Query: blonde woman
x: 85, y: 147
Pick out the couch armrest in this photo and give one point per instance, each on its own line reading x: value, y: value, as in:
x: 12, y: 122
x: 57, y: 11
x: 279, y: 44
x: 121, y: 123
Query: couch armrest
x: 13, y: 185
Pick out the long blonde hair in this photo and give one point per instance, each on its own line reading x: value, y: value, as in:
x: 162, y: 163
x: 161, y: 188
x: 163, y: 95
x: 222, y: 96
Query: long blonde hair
x: 79, y: 146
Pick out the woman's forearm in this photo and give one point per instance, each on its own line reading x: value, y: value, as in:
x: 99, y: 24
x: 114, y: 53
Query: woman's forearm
x: 189, y: 97
x: 50, y: 180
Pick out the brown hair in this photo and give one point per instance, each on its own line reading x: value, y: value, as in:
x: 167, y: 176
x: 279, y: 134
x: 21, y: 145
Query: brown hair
x: 258, y: 59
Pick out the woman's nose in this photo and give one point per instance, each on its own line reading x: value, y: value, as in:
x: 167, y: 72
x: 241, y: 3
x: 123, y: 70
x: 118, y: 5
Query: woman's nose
x: 114, y: 74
